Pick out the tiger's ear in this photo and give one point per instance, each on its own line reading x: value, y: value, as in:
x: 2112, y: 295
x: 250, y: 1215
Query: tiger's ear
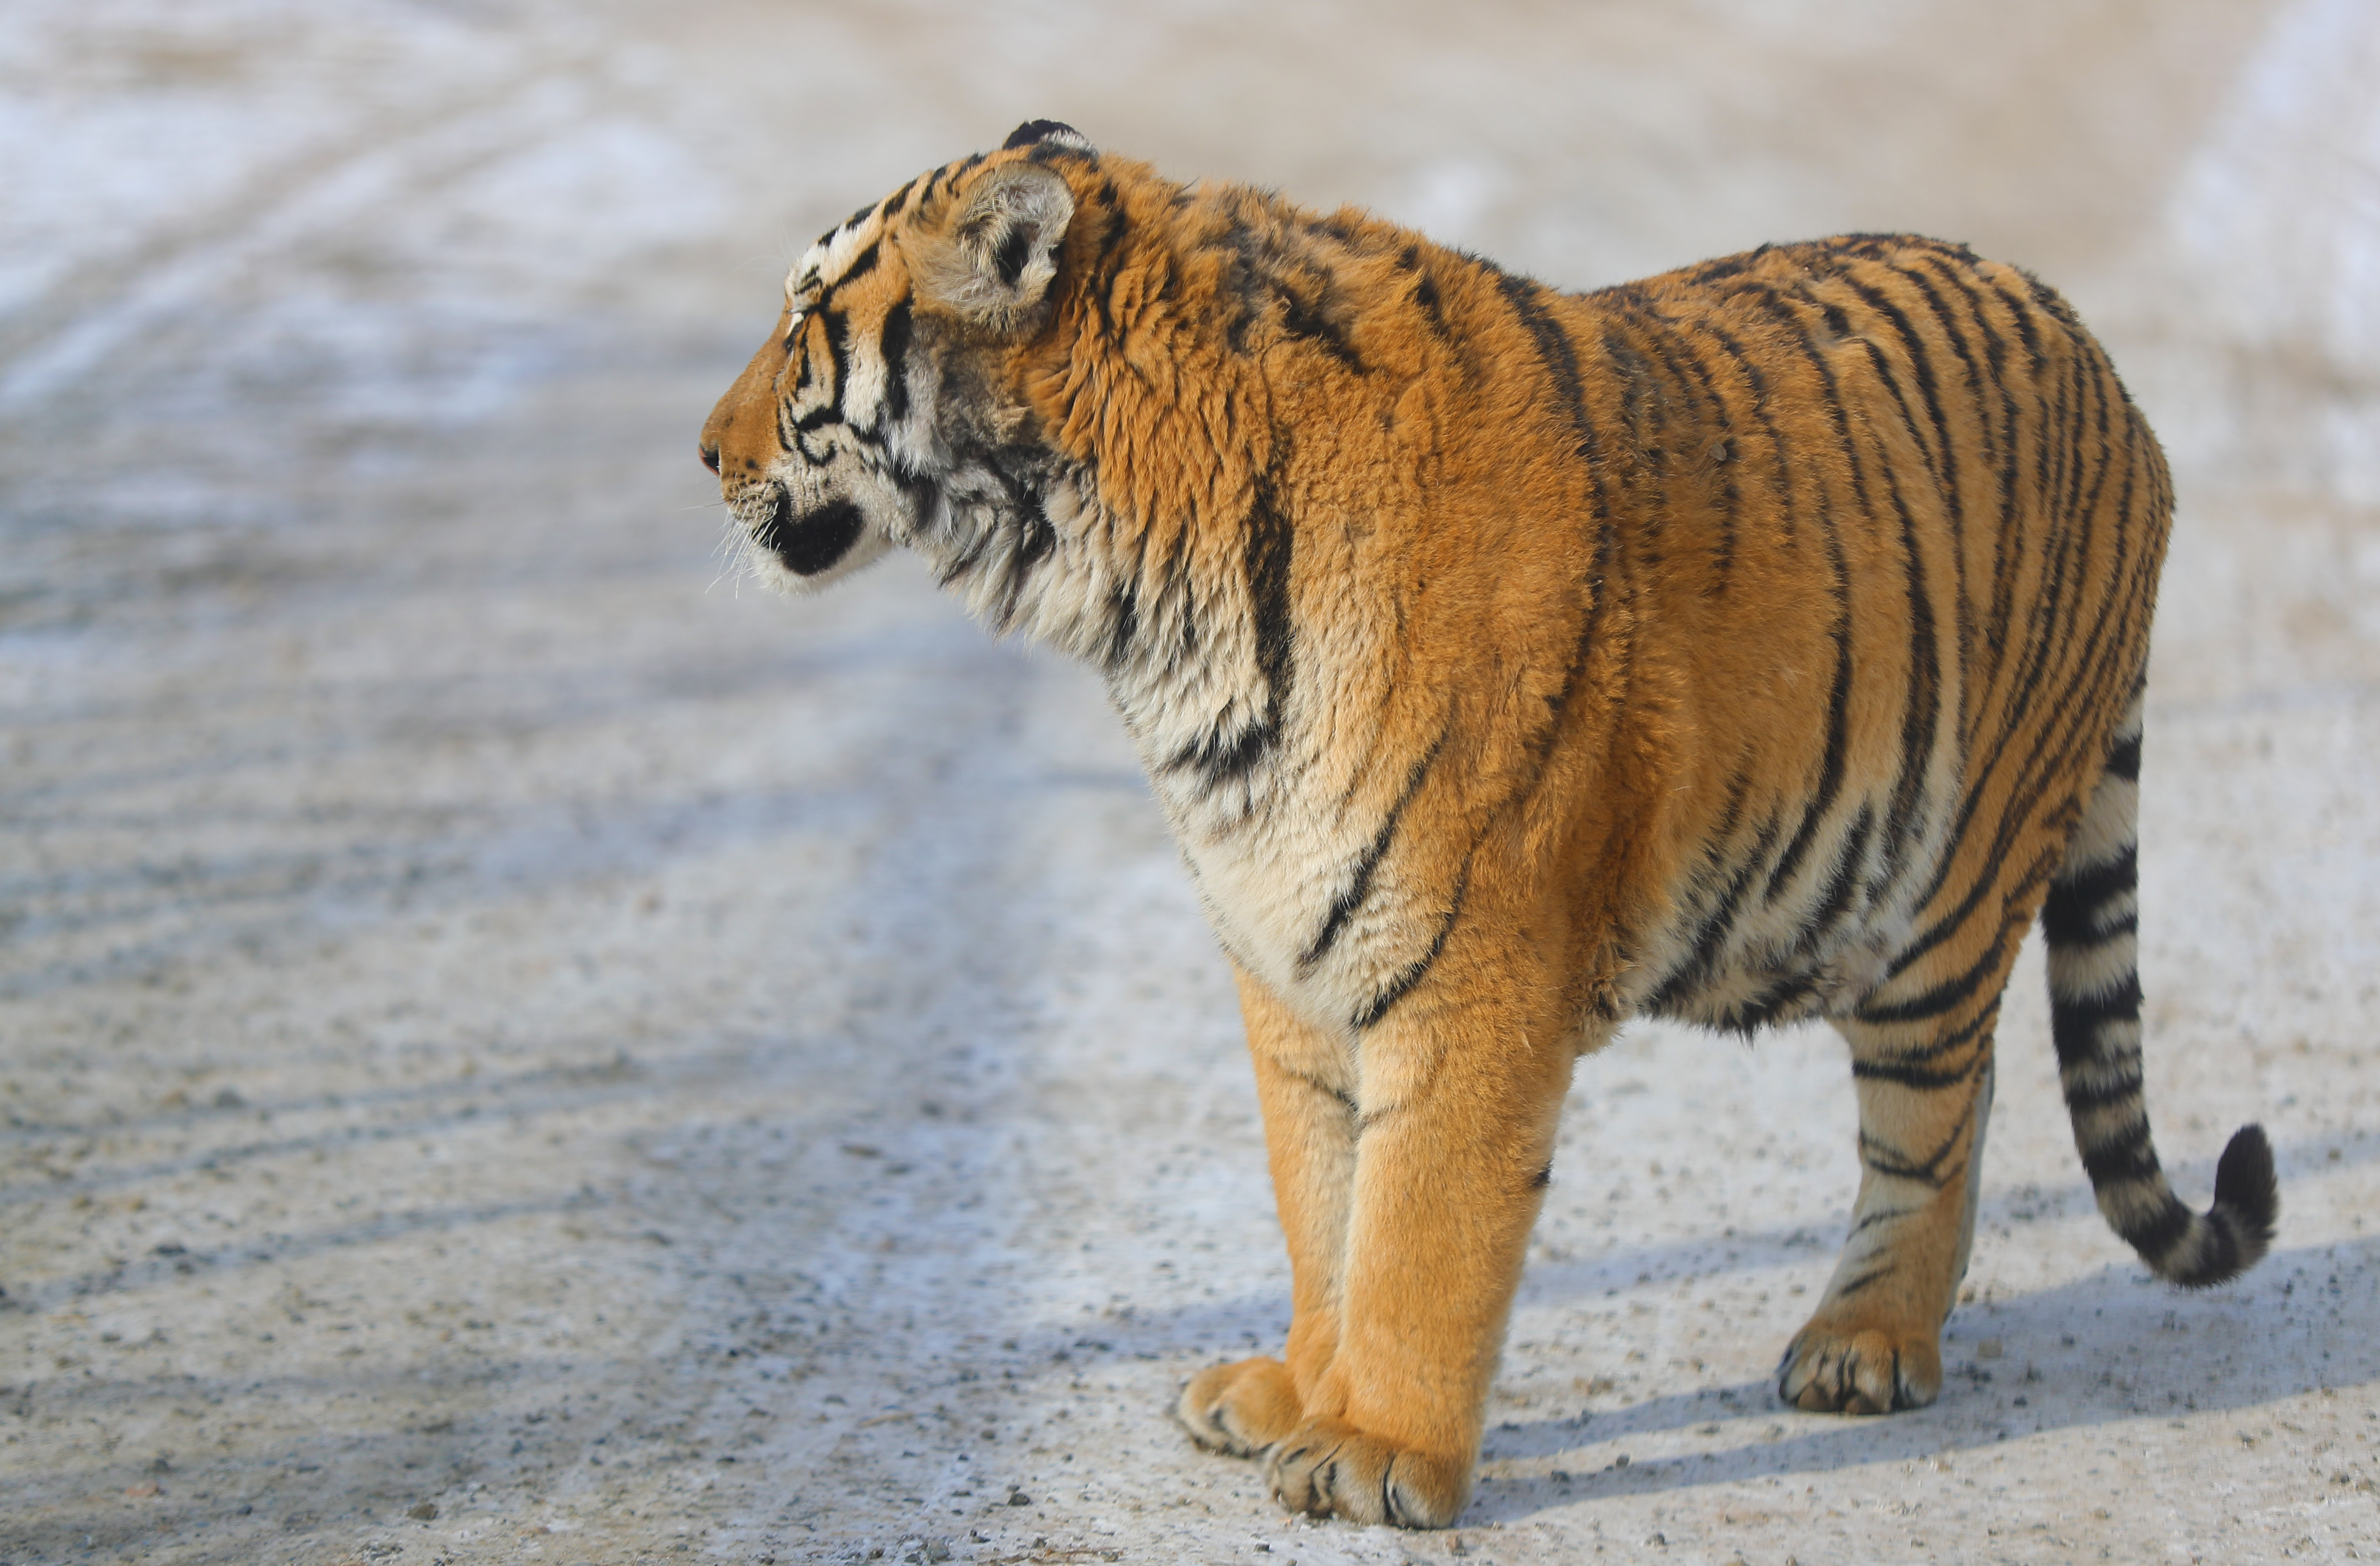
x: 1001, y: 252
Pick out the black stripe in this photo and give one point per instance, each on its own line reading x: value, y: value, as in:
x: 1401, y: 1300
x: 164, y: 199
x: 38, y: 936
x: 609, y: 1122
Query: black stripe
x: 1433, y: 312
x: 1954, y: 332
x: 1243, y: 283
x: 1101, y: 284
x: 837, y: 328
x: 2124, y: 760
x: 1123, y: 621
x: 1831, y: 766
x: 892, y: 346
x: 1788, y: 996
x: 1303, y: 320
x: 1922, y: 709
x: 969, y: 558
x: 1883, y: 1215
x: 2054, y: 743
x: 1923, y: 705
x: 1359, y: 885
x: 1271, y: 543
x: 1928, y: 392
x: 1779, y: 465
x: 2161, y: 1234
x: 2001, y: 451
x: 1961, y: 988
x: 1269, y: 547
x: 2124, y: 1155
x: 2069, y: 915
x: 1891, y: 1162
x: 1943, y: 1044
x: 1725, y: 267
x: 1838, y: 698
x: 1698, y: 372
x: 1024, y: 525
x: 2025, y: 327
x: 1859, y: 1283
x: 2124, y: 1087
x: 861, y: 264
x: 786, y: 436
x: 1560, y: 360
x: 2130, y: 924
x: 801, y: 359
x: 1711, y: 935
x: 1216, y: 760
x: 2075, y: 1022
x: 1837, y: 899
x: 1330, y: 1091
x: 1923, y: 1079
x: 1669, y: 346
x: 1399, y: 986
x: 1173, y: 578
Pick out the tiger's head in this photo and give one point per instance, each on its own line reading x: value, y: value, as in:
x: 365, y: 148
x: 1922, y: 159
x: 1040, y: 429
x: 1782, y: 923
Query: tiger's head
x: 887, y: 407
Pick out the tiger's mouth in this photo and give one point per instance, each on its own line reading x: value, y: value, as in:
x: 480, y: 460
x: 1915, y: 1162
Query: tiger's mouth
x: 811, y: 542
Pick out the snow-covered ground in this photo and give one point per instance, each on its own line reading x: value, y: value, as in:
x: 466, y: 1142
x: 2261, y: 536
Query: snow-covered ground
x: 512, y: 1051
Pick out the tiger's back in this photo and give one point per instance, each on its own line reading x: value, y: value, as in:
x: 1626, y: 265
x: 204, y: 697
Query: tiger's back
x: 1757, y: 641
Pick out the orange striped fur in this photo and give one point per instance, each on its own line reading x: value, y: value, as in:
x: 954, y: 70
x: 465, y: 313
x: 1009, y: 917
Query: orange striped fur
x: 1758, y: 642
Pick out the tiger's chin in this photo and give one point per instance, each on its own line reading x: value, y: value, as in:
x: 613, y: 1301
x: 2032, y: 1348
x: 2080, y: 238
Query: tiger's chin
x: 799, y: 551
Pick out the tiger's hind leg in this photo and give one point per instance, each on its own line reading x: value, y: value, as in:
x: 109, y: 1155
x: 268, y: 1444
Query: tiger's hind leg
x: 1925, y: 1082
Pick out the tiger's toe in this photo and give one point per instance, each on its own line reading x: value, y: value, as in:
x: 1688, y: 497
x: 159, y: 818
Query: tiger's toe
x: 1240, y: 1409
x: 1329, y: 1469
x: 1869, y: 1370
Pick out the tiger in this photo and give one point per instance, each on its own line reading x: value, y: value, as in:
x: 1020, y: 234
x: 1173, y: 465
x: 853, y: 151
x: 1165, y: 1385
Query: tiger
x: 1761, y: 641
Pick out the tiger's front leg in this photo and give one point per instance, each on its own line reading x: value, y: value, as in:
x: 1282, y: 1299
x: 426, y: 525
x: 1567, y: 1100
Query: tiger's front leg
x: 1306, y: 1082
x: 1456, y: 1111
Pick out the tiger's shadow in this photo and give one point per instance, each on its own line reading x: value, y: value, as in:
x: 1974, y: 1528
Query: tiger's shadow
x: 2111, y: 1348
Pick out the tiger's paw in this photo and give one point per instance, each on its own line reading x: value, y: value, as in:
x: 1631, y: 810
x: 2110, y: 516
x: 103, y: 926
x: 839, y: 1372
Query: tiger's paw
x: 1330, y: 1469
x: 1240, y: 1409
x: 1829, y: 1369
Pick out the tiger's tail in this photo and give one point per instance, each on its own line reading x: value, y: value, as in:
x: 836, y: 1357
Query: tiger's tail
x: 2090, y: 922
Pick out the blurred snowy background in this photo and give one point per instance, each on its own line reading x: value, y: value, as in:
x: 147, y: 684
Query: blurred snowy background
x: 479, y: 1000
x: 243, y: 235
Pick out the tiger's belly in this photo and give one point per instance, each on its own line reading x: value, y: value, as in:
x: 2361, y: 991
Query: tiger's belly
x: 1268, y: 903
x: 1759, y: 937
x: 1799, y: 918
x: 1759, y: 987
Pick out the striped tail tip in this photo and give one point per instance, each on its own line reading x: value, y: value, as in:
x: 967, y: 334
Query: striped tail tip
x: 2234, y: 1235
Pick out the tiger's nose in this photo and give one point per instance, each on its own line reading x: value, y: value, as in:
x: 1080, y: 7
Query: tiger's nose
x: 709, y: 456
